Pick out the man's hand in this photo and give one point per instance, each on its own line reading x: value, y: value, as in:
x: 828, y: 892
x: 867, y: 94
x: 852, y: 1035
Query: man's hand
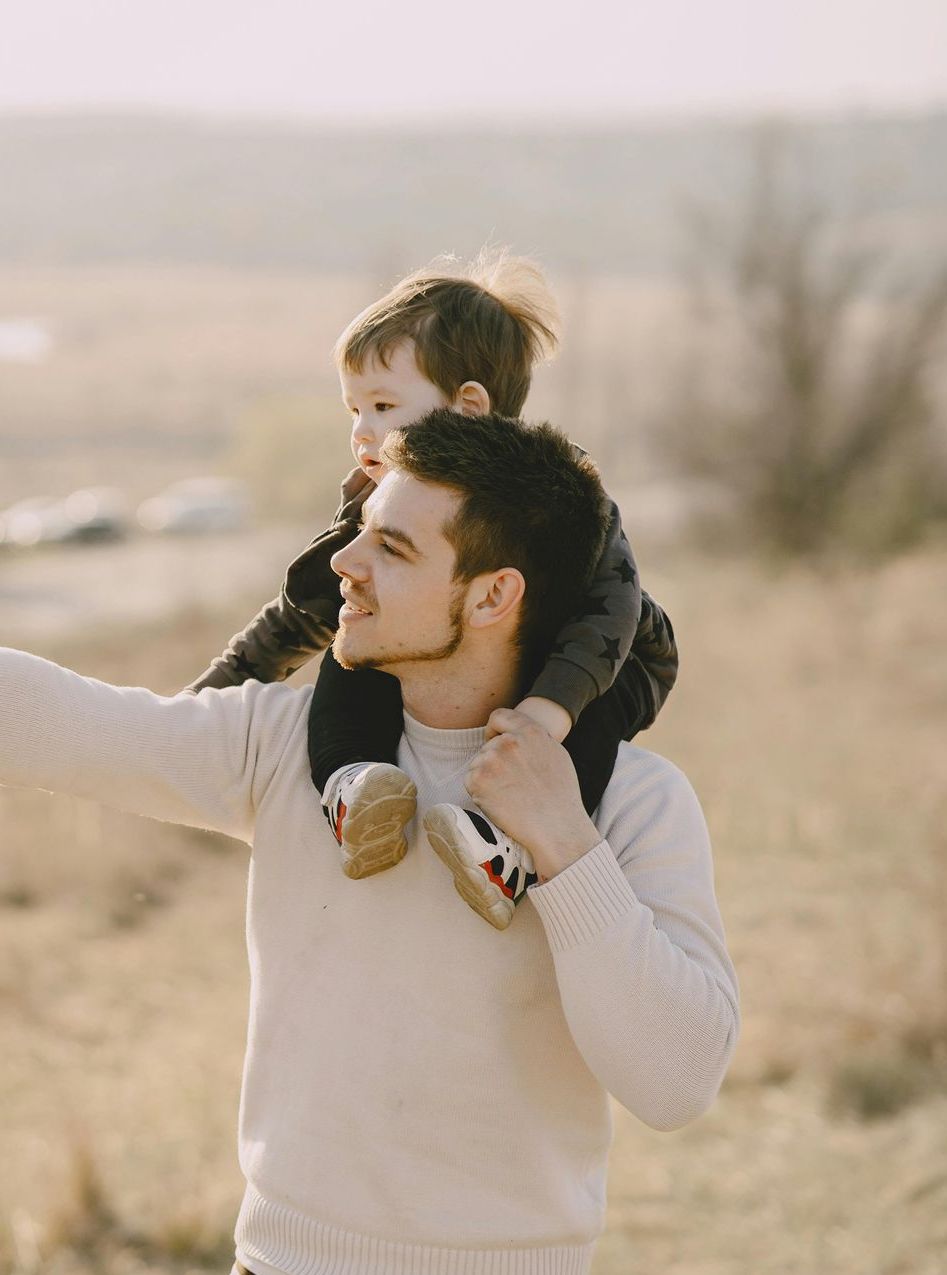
x: 526, y: 783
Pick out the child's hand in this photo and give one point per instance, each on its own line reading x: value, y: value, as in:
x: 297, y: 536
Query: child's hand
x: 356, y: 489
x: 552, y: 717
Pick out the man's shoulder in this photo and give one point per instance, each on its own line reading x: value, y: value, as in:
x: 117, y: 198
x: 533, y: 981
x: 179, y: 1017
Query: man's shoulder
x: 270, y: 713
x: 259, y: 697
x: 644, y: 788
x: 636, y: 765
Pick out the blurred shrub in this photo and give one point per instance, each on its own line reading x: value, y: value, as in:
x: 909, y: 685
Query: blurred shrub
x: 808, y: 400
x: 293, y: 450
x: 878, y: 1085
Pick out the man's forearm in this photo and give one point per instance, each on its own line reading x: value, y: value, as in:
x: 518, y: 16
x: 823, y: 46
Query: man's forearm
x: 571, y: 842
x: 656, y: 1021
x: 647, y: 985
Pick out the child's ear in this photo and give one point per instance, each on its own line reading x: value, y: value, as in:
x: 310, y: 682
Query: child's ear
x: 472, y: 399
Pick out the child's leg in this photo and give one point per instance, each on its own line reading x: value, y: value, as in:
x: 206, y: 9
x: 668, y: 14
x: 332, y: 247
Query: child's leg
x: 626, y: 708
x: 355, y: 723
x: 355, y: 715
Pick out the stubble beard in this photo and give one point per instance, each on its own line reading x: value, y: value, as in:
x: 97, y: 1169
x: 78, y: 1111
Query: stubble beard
x: 388, y: 661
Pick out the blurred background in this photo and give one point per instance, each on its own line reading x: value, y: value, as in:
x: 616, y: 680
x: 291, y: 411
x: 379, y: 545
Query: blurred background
x: 743, y: 211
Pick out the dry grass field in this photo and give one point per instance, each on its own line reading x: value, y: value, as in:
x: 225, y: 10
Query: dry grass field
x: 810, y: 715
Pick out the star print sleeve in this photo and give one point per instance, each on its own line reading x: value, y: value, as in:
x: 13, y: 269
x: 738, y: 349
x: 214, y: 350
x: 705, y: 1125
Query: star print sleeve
x: 590, y: 650
x: 303, y: 618
x: 205, y: 761
x: 288, y: 631
x: 645, y: 679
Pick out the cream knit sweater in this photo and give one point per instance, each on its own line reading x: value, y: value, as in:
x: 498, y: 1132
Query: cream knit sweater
x: 421, y: 1093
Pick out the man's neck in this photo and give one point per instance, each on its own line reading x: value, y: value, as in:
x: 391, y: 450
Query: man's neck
x: 456, y: 698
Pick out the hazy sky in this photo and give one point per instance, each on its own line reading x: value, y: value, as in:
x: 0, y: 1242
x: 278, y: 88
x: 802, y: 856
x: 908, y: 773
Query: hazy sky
x: 431, y: 58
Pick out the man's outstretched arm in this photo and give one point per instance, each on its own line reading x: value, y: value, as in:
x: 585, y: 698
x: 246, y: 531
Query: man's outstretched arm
x: 647, y: 986
x: 200, y: 760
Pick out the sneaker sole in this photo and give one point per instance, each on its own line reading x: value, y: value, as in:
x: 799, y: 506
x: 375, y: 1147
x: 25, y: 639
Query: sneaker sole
x: 373, y: 831
x: 470, y: 881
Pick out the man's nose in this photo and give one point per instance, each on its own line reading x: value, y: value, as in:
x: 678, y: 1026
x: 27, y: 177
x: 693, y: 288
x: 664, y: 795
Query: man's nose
x: 347, y: 561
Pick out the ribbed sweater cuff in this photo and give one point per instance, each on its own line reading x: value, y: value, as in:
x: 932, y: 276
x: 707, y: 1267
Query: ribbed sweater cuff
x: 584, y: 899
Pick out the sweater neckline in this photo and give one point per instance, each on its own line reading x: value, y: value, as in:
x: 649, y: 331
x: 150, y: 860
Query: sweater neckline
x: 457, y: 743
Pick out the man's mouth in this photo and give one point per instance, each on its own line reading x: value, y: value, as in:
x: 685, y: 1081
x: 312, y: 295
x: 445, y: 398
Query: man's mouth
x: 351, y: 610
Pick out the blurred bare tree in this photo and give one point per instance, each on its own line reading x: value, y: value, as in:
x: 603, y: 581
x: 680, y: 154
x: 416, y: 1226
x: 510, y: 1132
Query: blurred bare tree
x: 808, y: 401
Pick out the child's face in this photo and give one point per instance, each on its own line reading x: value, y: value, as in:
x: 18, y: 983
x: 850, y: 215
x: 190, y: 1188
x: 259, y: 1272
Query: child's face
x: 382, y: 398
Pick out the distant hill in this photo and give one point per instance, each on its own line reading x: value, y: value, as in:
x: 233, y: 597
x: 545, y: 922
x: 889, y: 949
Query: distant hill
x: 98, y: 189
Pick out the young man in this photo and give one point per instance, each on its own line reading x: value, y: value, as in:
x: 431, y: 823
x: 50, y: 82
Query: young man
x: 408, y: 1106
x: 471, y: 342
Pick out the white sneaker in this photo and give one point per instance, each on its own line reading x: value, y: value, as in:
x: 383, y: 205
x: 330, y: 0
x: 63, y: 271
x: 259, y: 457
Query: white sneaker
x: 368, y: 813
x: 491, y: 872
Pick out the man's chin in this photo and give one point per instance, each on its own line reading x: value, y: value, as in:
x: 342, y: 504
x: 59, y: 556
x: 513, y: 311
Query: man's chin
x: 347, y: 657
x: 346, y: 650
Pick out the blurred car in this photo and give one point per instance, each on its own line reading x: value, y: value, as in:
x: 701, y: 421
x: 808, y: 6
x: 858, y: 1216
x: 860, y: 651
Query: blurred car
x: 88, y: 516
x: 30, y: 522
x: 197, y: 505
x: 95, y: 514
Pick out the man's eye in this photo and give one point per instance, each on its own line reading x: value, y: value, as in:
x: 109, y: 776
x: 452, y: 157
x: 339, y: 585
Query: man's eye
x: 383, y: 407
x: 386, y: 548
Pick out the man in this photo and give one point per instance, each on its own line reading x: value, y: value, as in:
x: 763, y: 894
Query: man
x: 421, y: 1092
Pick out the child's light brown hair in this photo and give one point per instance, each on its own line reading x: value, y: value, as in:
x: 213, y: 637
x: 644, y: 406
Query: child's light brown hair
x: 492, y: 322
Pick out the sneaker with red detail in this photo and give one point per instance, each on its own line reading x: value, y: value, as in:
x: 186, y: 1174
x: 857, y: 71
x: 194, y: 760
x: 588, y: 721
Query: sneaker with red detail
x: 368, y: 811
x: 491, y: 872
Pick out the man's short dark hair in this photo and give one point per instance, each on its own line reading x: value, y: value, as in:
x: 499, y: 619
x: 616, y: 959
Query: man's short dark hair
x: 530, y: 500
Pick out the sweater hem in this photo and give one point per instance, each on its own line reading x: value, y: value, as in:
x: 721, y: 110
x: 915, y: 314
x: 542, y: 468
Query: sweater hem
x: 273, y: 1239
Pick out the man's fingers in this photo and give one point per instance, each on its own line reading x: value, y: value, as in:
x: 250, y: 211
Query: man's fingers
x: 504, y: 719
x: 486, y: 764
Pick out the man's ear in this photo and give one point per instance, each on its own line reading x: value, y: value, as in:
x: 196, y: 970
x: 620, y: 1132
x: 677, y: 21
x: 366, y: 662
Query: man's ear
x: 494, y: 597
x: 472, y: 399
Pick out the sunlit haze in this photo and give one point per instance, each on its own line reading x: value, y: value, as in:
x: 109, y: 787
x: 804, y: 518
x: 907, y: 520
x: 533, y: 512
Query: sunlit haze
x: 429, y: 61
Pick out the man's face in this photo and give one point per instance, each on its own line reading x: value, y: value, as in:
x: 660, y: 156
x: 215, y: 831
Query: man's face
x: 402, y: 605
x: 381, y: 398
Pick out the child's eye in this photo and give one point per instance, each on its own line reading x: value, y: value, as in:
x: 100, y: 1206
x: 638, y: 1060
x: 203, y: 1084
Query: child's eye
x: 386, y: 548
